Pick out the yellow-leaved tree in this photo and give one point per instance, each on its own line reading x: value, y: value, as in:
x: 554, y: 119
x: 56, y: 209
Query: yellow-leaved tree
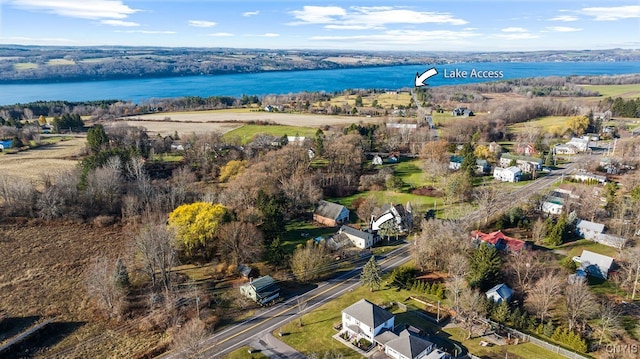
x: 196, y: 224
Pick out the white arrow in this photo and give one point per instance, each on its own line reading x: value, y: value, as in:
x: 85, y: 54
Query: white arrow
x: 421, y: 78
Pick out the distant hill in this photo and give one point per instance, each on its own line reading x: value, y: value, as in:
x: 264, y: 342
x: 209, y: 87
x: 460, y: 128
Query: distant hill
x: 25, y: 64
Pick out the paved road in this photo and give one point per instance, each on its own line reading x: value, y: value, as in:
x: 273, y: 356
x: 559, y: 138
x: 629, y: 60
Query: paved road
x: 269, y: 319
x: 272, y: 318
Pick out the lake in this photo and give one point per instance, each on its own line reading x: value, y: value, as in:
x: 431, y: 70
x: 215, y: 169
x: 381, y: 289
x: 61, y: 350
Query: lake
x: 392, y: 77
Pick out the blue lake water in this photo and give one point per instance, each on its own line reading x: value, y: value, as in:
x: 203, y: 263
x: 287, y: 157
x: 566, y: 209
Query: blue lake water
x: 392, y: 77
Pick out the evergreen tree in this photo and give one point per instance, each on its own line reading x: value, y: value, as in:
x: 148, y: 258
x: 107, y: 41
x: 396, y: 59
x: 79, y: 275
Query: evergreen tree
x: 97, y: 138
x: 501, y: 312
x: 275, y: 253
x: 370, y: 275
x: 485, y: 266
x: 121, y: 274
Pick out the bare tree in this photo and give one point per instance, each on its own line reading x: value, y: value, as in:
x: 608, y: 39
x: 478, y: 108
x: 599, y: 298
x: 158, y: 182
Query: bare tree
x: 524, y: 267
x: 538, y: 231
x: 189, y: 341
x: 310, y: 261
x: 543, y: 294
x: 432, y: 247
x: 240, y: 242
x: 455, y: 285
x: 630, y: 271
x: 101, y: 284
x: 155, y: 245
x: 471, y: 309
x: 434, y: 169
x: 608, y: 319
x: 580, y: 303
x: 487, y: 198
x: 367, y: 208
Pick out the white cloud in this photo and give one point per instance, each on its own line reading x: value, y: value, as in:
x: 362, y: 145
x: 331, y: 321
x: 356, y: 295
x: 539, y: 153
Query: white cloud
x: 514, y: 29
x: 564, y: 18
x: 404, y: 37
x: 35, y: 41
x: 269, y: 34
x: 201, y: 23
x: 220, y: 34
x: 361, y: 18
x: 317, y: 14
x: 563, y: 29
x: 613, y: 13
x: 154, y: 32
x: 517, y: 36
x: 94, y: 9
x: 119, y: 23
x: 250, y: 13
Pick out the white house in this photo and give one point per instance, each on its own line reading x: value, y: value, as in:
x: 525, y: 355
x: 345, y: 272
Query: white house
x: 565, y: 149
x: 526, y: 164
x: 509, y: 174
x: 589, y: 230
x: 581, y: 143
x: 364, y: 319
x: 360, y: 239
x: 595, y: 264
x: 408, y: 346
x: 584, y: 176
x: 499, y: 293
x: 553, y: 205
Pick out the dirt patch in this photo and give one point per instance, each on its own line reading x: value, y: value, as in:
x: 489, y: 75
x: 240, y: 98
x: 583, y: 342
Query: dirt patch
x: 165, y: 128
x: 43, y: 274
x: 427, y: 191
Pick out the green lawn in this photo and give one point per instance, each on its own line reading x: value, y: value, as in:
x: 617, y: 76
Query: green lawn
x: 299, y: 232
x: 243, y: 353
x: 526, y: 350
x: 575, y: 248
x: 410, y: 172
x: 247, y: 132
x: 625, y: 91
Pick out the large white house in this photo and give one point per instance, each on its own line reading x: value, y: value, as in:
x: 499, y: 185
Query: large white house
x: 509, y: 174
x: 360, y: 239
x: 364, y: 319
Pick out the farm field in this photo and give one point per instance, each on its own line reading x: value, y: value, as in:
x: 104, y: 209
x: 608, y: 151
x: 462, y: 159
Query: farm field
x: 165, y: 128
x: 33, y: 164
x: 547, y: 123
x: 624, y: 91
x: 304, y: 120
x: 247, y: 132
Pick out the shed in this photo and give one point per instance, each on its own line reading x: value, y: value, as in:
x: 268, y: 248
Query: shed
x: 499, y: 293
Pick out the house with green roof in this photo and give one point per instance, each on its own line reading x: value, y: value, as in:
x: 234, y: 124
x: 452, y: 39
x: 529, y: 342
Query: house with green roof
x: 261, y: 290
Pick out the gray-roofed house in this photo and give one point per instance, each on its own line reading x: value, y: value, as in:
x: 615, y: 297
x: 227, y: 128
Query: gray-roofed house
x: 330, y: 214
x: 589, y: 230
x: 364, y: 319
x: 408, y: 346
x: 499, y: 293
x: 595, y: 264
x: 360, y: 239
x: 262, y: 290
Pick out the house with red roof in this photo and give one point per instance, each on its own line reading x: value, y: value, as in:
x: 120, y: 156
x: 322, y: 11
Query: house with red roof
x: 498, y: 240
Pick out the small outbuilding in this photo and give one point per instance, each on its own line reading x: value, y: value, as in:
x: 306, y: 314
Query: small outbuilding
x: 499, y: 293
x: 261, y: 290
x: 330, y: 214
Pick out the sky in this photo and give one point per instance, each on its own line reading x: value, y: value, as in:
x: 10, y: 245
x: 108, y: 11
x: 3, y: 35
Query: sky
x: 397, y: 25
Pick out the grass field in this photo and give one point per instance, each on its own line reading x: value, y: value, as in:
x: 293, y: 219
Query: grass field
x: 243, y: 353
x: 25, y: 66
x: 547, y: 124
x: 57, y: 62
x: 419, y: 203
x: 575, y: 248
x: 247, y: 132
x: 624, y: 91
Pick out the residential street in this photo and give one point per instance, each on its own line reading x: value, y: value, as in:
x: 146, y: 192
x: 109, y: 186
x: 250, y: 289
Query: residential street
x: 269, y: 319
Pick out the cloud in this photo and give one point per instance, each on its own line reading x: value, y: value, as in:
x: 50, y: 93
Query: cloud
x: 612, y: 13
x: 95, y: 9
x: 159, y: 32
x: 564, y: 18
x: 361, y: 18
x: 201, y: 23
x: 563, y: 29
x: 269, y: 34
x: 119, y: 23
x: 250, y: 13
x: 35, y: 41
x: 515, y: 33
x: 514, y: 29
x: 220, y: 34
x: 404, y: 37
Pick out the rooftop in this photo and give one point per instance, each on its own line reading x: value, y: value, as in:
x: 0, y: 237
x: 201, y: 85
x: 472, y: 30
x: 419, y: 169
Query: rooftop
x: 368, y: 313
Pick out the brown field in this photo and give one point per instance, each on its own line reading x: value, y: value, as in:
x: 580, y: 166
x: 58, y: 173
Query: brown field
x: 224, y: 121
x: 31, y: 165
